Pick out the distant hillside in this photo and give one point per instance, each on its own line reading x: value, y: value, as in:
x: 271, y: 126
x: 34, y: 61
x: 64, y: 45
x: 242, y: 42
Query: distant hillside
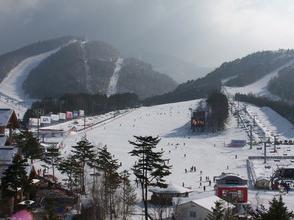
x: 82, y: 67
x: 178, y: 69
x: 138, y: 77
x: 10, y: 60
x: 248, y: 69
x: 239, y: 72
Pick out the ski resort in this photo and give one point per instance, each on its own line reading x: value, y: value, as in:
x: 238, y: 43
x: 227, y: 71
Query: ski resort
x: 146, y: 110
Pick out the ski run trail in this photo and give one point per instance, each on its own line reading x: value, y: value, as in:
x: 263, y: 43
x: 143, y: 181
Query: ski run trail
x: 112, y: 87
x: 11, y: 87
x: 86, y: 66
x: 260, y: 86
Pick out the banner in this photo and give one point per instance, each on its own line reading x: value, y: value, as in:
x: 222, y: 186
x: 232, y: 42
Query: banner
x: 54, y: 117
x: 62, y: 116
x: 45, y: 120
x: 75, y: 114
x: 34, y: 121
x: 81, y: 113
x: 69, y: 115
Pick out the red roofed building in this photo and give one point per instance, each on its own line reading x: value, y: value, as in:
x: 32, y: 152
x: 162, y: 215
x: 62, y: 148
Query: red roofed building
x: 231, y: 187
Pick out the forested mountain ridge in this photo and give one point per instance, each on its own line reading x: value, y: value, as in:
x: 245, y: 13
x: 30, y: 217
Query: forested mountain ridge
x: 76, y: 66
x: 9, y: 60
x: 236, y: 73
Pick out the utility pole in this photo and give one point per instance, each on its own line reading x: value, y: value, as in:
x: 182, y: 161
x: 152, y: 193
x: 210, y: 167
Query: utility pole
x: 38, y: 112
x: 264, y: 152
x: 251, y: 136
x: 275, y: 146
x: 84, y: 121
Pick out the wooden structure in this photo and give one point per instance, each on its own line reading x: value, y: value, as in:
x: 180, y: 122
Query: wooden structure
x: 164, y: 196
x: 8, y: 122
x: 262, y: 183
x: 199, y: 209
x: 53, y: 195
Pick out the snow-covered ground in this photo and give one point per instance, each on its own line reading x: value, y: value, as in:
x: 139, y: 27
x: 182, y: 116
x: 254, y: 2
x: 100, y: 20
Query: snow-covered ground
x: 260, y: 86
x: 265, y: 170
x: 112, y: 87
x: 208, y: 152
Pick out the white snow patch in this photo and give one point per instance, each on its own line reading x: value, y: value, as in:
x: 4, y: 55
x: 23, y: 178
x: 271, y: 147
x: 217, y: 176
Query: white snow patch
x: 112, y: 87
x: 86, y: 65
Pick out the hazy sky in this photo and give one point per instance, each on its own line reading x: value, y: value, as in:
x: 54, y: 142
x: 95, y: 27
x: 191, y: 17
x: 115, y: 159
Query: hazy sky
x: 204, y: 32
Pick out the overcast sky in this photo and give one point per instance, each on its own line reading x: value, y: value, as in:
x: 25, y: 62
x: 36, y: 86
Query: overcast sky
x: 206, y: 32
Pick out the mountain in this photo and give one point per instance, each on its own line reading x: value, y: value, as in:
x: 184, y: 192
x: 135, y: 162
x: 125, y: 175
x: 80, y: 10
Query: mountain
x: 236, y: 73
x: 10, y: 60
x: 71, y: 65
x: 180, y: 70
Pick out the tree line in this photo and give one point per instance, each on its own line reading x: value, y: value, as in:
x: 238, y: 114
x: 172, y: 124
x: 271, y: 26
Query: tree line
x: 218, y: 111
x: 92, y: 104
x: 283, y: 108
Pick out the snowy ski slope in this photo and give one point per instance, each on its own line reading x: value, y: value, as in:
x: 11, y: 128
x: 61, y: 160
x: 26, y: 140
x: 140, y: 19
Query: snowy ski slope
x: 11, y: 86
x: 208, y: 152
x: 112, y: 87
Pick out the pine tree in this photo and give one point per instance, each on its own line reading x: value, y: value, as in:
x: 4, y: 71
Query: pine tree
x: 29, y: 145
x: 72, y: 168
x: 84, y: 153
x: 150, y: 169
x: 277, y: 211
x: 218, y: 211
x: 128, y: 195
x: 112, y: 179
x: 53, y: 155
x: 14, y: 177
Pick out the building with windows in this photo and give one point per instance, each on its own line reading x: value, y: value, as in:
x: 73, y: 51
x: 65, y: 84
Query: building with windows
x: 231, y: 187
x: 199, y: 209
x: 164, y: 196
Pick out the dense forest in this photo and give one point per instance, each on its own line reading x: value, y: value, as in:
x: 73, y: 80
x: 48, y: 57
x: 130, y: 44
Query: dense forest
x: 218, y: 111
x: 282, y: 85
x: 254, y: 66
x: 92, y: 104
x: 193, y: 89
x: 283, y: 108
x: 87, y: 67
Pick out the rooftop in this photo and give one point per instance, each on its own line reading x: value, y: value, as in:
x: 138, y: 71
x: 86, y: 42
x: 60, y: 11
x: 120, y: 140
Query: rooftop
x: 171, y: 188
x: 5, y: 116
x: 209, y: 202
